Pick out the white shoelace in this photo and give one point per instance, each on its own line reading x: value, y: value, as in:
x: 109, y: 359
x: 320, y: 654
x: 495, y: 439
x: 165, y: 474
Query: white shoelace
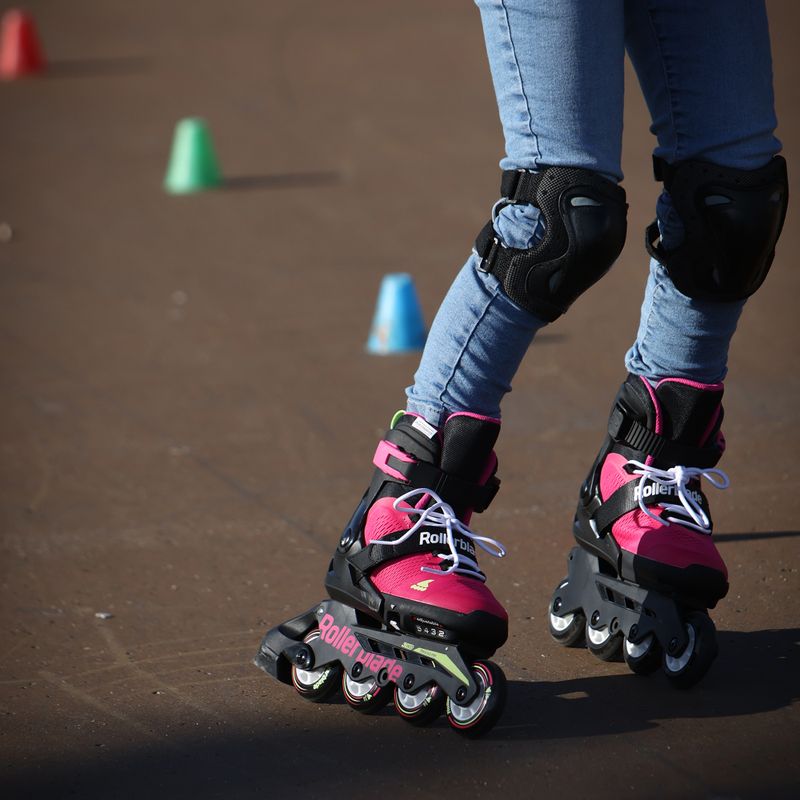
x: 679, y: 478
x: 441, y: 515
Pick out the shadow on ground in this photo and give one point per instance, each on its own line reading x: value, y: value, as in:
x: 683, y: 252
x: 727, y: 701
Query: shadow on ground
x: 756, y: 673
x: 287, y: 180
x: 97, y: 67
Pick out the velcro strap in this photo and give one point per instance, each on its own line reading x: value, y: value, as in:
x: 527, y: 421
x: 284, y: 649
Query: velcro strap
x: 497, y: 259
x: 663, y: 171
x: 625, y: 430
x: 487, y: 246
x: 427, y: 539
x: 625, y: 500
x: 455, y: 491
x: 520, y: 186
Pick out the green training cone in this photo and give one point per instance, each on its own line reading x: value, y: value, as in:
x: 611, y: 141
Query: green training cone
x: 192, y: 162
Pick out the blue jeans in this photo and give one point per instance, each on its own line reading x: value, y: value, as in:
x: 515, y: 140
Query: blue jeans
x: 557, y: 66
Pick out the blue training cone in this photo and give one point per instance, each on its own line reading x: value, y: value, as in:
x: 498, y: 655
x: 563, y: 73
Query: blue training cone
x: 397, y: 326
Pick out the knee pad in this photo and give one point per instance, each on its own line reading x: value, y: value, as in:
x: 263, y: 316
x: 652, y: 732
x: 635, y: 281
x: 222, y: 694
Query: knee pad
x: 732, y: 219
x: 585, y: 225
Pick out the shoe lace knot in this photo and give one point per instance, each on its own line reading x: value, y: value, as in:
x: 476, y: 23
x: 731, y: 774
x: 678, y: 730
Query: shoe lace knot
x: 676, y: 481
x: 439, y: 514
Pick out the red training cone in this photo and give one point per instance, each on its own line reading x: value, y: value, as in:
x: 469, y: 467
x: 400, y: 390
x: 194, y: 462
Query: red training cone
x: 20, y: 53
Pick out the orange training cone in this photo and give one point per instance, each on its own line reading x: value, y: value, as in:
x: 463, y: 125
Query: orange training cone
x: 20, y: 53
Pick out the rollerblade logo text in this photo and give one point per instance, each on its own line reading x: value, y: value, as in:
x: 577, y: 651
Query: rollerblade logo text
x: 341, y: 638
x: 661, y: 491
x: 430, y: 537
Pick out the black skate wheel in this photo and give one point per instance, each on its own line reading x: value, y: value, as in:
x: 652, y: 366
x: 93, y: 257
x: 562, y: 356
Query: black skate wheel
x: 317, y: 684
x: 642, y: 658
x: 479, y: 716
x: 365, y: 696
x: 685, y: 669
x: 603, y: 644
x: 566, y: 629
x: 421, y: 707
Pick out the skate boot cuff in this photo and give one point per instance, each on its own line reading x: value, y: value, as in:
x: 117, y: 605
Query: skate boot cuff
x: 398, y: 465
x: 624, y: 429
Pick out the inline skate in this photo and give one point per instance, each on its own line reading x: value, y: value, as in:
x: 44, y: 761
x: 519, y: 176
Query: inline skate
x: 646, y: 571
x: 409, y: 617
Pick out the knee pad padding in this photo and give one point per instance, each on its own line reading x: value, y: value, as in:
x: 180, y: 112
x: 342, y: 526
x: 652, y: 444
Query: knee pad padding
x: 732, y: 219
x: 585, y: 227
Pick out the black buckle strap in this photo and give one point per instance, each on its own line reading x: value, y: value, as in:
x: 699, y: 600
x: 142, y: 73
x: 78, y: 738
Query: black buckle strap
x: 516, y: 186
x: 519, y: 186
x: 663, y: 172
x: 487, y: 246
x: 625, y: 430
x: 625, y: 500
x: 428, y: 539
x: 455, y: 491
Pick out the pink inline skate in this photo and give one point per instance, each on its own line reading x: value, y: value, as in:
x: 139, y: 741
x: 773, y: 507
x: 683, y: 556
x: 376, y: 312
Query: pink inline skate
x: 646, y: 568
x: 410, y: 616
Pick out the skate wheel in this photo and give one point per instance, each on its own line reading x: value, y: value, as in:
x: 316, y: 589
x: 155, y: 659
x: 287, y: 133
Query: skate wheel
x: 642, y: 658
x: 319, y: 684
x: 566, y: 629
x: 687, y: 668
x: 477, y: 717
x: 366, y: 696
x: 421, y: 707
x: 603, y: 644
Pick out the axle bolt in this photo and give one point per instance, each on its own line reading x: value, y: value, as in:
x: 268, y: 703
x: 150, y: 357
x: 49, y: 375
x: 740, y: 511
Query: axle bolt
x: 672, y: 647
x: 461, y: 693
x: 408, y: 682
x: 303, y: 658
x: 357, y: 670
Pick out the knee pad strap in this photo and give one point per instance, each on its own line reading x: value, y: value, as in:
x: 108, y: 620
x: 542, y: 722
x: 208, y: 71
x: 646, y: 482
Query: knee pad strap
x: 732, y: 219
x: 585, y: 226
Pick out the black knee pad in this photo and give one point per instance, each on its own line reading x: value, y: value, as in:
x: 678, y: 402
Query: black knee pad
x: 732, y: 219
x: 585, y: 226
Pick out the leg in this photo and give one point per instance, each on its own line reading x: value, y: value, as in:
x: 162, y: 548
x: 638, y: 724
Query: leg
x: 407, y: 559
x: 642, y: 516
x: 558, y: 77
x: 712, y: 104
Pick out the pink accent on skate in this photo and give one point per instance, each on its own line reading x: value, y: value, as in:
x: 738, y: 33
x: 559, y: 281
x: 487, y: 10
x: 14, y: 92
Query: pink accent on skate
x: 637, y: 533
x: 455, y: 592
x: 381, y: 459
x: 711, y: 387
x: 613, y: 475
x: 474, y: 416
x: 656, y: 407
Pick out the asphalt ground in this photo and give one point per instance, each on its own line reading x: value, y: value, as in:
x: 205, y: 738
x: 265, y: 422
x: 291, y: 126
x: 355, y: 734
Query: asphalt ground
x: 188, y: 418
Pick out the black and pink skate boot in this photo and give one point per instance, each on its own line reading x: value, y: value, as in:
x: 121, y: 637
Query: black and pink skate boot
x: 411, y: 616
x: 646, y: 569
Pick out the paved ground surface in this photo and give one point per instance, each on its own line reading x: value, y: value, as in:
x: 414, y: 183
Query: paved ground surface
x: 188, y: 418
